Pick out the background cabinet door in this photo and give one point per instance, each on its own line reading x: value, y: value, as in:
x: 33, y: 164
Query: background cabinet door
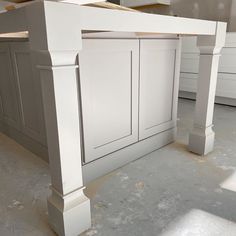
x: 29, y: 91
x: 109, y: 93
x: 158, y: 80
x: 8, y: 93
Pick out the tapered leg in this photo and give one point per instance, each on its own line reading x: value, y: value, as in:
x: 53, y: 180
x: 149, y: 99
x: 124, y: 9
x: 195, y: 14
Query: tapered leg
x: 68, y: 207
x: 201, y: 139
x: 58, y: 44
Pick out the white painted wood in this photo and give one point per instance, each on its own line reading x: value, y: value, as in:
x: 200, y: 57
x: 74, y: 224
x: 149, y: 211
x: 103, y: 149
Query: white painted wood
x: 138, y: 3
x: 63, y: 133
x: 226, y: 85
x: 28, y: 87
x: 92, y: 18
x: 109, y: 95
x: 201, y: 139
x: 190, y: 63
x: 230, y: 40
x: 115, y: 160
x: 69, y: 211
x: 157, y: 77
x: 9, y: 98
x: 228, y: 61
x: 188, y: 82
x: 68, y: 207
x: 106, y: 20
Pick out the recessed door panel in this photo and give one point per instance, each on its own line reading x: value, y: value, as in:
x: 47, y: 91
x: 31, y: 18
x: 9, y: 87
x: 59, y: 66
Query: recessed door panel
x: 157, y: 81
x: 109, y: 95
x: 29, y: 90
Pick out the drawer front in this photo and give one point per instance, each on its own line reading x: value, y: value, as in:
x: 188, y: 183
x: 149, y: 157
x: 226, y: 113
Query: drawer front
x: 109, y: 95
x: 189, y: 63
x: 188, y: 82
x: 228, y: 61
x: 226, y: 85
x: 158, y: 80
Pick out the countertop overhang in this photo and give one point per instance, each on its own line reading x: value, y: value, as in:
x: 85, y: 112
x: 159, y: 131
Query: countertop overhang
x: 99, y: 19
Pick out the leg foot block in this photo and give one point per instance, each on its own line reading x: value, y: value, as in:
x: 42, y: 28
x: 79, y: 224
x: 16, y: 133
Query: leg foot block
x: 69, y: 218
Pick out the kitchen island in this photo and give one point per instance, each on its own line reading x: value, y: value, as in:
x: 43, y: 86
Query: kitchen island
x: 109, y: 88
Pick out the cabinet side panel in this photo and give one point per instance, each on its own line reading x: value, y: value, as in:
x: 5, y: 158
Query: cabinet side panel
x: 8, y: 89
x: 29, y: 90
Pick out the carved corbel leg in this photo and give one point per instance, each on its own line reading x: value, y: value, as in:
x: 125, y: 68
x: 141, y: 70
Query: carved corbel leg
x: 57, y: 44
x: 202, y: 136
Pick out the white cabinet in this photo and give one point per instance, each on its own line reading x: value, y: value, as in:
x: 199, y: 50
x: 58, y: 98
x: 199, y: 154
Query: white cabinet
x: 20, y: 91
x: 29, y: 91
x: 109, y: 92
x: 157, y: 86
x: 127, y: 87
x: 8, y: 89
x: 226, y: 84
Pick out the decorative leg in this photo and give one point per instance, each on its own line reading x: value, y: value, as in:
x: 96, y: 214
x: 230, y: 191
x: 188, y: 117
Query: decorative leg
x: 201, y: 139
x: 68, y: 207
x: 57, y: 47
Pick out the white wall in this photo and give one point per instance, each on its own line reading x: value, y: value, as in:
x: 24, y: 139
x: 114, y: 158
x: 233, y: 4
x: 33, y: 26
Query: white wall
x: 232, y: 24
x: 218, y: 10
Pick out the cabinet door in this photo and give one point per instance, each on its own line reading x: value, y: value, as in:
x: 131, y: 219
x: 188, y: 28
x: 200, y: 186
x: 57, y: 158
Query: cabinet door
x: 29, y: 90
x: 109, y: 93
x: 158, y: 78
x: 8, y: 93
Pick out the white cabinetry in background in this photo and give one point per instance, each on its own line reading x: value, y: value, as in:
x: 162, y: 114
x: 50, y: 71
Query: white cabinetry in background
x: 226, y: 84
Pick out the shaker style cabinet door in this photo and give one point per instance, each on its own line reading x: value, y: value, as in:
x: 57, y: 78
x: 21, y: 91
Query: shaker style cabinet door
x: 29, y: 91
x: 8, y: 91
x: 157, y: 86
x: 108, y: 75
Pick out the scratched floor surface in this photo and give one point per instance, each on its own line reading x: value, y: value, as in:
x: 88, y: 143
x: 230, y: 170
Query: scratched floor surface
x: 170, y: 192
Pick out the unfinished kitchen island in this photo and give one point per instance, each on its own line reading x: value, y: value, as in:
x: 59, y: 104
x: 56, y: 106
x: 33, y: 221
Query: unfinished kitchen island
x: 109, y: 87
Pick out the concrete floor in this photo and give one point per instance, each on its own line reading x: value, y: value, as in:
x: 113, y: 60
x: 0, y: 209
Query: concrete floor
x: 170, y: 192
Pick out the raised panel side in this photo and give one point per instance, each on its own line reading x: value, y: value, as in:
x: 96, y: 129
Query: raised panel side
x: 28, y: 87
x: 9, y: 99
x: 157, y: 86
x: 109, y: 86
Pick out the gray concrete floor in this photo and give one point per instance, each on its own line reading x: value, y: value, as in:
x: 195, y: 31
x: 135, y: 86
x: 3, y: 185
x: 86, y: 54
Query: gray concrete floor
x: 168, y: 192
